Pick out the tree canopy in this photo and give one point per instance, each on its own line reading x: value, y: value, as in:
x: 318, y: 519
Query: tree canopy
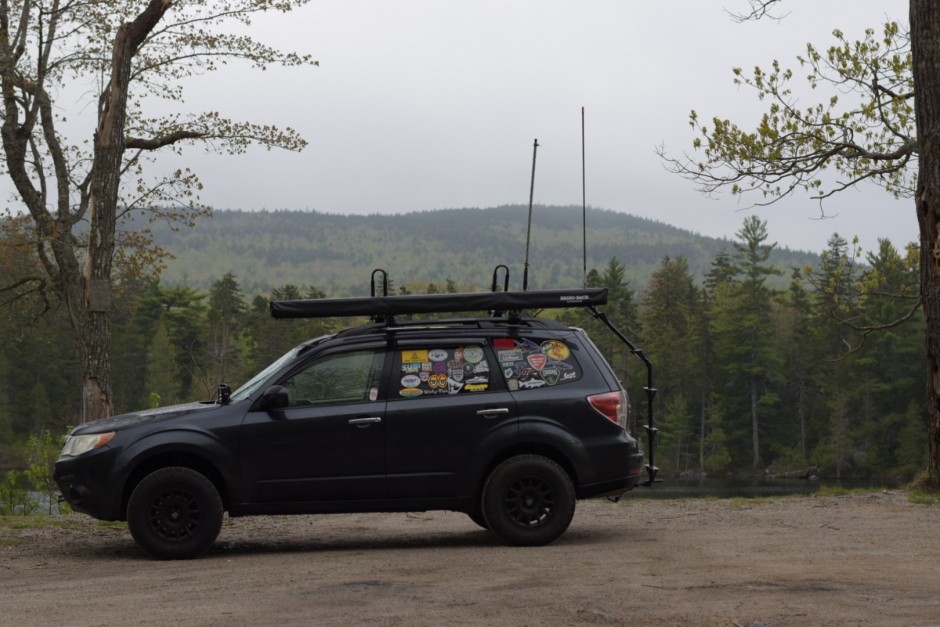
x: 130, y: 63
x: 862, y: 129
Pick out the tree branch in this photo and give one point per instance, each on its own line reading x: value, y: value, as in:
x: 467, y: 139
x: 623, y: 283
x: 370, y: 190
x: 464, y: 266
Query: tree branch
x: 160, y: 141
x: 869, y: 329
x: 759, y: 10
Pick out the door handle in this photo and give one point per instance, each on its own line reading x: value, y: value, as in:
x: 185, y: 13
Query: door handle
x: 365, y: 421
x: 493, y: 412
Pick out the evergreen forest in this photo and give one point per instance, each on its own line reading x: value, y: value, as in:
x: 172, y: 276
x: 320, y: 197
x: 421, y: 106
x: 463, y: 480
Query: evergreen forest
x: 766, y: 361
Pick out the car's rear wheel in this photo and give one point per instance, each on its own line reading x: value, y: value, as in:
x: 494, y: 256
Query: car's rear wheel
x: 528, y: 500
x: 174, y: 513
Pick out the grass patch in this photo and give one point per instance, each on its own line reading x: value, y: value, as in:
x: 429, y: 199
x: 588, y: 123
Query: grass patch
x: 43, y: 521
x: 34, y: 521
x: 835, y: 490
x: 922, y: 491
x: 923, y: 498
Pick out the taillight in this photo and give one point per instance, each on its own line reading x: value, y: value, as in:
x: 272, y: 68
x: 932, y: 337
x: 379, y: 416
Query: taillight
x: 612, y: 405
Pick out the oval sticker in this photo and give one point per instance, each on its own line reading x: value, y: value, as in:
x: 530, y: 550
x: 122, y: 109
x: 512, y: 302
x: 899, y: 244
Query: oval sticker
x: 409, y: 392
x: 556, y: 351
x: 437, y: 354
x: 472, y: 354
x: 410, y: 381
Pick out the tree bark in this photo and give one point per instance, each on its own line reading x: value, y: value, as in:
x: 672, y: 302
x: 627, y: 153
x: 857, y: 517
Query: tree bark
x: 95, y: 336
x: 925, y: 47
x: 755, y: 430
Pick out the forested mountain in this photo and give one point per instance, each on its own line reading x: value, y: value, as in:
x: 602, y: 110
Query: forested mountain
x: 337, y: 253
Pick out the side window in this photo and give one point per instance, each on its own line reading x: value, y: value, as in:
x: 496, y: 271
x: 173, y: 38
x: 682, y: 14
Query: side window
x: 528, y: 364
x: 342, y: 378
x: 437, y: 371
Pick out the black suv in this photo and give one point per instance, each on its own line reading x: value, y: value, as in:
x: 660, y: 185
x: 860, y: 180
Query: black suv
x: 508, y: 418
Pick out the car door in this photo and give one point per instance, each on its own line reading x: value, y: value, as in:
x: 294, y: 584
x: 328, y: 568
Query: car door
x: 328, y: 443
x: 446, y: 411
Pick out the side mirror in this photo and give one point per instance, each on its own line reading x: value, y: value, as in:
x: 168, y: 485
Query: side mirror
x: 275, y: 397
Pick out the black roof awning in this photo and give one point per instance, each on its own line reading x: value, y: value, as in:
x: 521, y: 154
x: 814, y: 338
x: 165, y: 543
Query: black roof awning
x: 389, y: 306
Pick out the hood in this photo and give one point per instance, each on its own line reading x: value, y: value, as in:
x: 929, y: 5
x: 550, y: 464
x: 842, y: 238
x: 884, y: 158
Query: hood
x: 123, y: 421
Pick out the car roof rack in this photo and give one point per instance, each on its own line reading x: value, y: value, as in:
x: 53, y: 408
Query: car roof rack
x: 384, y: 308
x: 387, y: 307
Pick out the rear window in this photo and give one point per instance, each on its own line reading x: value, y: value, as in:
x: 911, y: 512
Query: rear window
x: 531, y: 363
x: 437, y: 371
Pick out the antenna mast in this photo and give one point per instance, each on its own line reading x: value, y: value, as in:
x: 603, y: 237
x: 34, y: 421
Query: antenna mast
x: 583, y: 203
x: 528, y: 233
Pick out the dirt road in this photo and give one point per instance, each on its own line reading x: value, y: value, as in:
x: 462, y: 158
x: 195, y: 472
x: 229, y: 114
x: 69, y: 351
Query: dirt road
x: 871, y: 559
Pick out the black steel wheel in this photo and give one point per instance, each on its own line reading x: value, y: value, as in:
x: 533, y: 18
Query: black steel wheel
x: 528, y: 500
x: 174, y: 513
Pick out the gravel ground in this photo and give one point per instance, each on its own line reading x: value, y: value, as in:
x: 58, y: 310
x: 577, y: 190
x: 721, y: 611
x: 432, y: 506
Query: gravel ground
x: 860, y: 559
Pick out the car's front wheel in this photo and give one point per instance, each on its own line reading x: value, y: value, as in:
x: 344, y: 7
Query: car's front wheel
x: 528, y: 500
x: 174, y: 513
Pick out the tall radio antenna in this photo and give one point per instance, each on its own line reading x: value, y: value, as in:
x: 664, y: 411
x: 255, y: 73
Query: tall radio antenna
x: 528, y: 233
x: 583, y: 204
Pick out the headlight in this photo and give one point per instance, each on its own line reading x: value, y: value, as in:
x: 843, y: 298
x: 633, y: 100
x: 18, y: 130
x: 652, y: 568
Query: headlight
x: 76, y: 445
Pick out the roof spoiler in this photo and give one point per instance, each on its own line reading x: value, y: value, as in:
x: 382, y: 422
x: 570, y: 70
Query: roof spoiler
x: 388, y: 306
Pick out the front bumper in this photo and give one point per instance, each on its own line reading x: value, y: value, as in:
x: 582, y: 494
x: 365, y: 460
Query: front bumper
x: 85, y: 483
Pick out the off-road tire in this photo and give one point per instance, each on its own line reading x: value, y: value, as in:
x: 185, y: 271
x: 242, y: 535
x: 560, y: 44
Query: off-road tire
x: 174, y: 513
x: 528, y: 500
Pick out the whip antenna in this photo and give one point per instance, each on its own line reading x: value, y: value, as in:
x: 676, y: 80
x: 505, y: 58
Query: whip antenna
x: 583, y: 203
x: 528, y: 232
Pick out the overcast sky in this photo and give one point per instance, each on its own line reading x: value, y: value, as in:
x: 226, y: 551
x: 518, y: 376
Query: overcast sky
x: 431, y: 104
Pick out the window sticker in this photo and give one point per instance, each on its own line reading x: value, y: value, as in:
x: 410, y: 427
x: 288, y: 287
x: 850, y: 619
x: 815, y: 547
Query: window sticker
x: 440, y: 371
x: 528, y: 365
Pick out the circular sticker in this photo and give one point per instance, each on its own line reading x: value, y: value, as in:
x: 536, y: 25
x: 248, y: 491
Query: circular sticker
x: 473, y: 354
x: 556, y: 351
x: 437, y: 355
x: 410, y: 381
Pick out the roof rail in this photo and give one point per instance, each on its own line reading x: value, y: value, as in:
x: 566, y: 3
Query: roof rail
x: 390, y: 306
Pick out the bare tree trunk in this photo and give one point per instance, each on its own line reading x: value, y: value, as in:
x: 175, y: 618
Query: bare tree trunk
x: 701, y: 439
x: 925, y: 47
x: 755, y: 436
x: 95, y: 334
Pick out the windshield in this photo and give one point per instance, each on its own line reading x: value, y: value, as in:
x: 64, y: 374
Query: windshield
x: 255, y: 382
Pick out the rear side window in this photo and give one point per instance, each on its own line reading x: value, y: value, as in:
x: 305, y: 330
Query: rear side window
x: 448, y: 370
x: 531, y: 363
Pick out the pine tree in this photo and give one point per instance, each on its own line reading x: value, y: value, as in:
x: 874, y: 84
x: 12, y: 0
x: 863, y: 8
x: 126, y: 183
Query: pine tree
x: 743, y: 328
